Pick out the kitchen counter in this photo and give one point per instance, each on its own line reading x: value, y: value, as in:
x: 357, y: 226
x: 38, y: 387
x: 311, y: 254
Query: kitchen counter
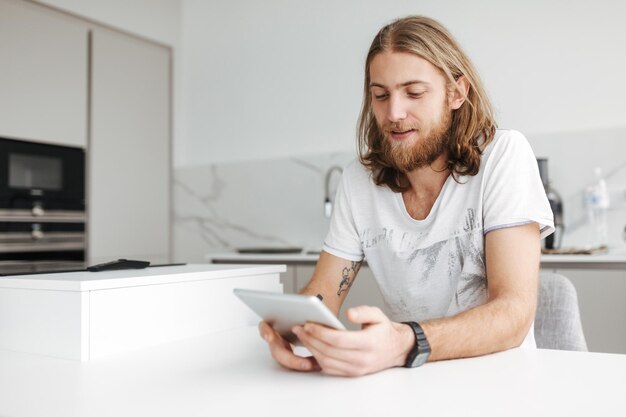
x: 87, y: 315
x: 304, y: 257
x: 90, y: 281
x: 615, y: 260
x: 232, y: 373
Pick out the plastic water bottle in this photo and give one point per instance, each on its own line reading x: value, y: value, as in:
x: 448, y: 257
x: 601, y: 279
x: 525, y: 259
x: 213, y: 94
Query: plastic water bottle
x: 597, y: 201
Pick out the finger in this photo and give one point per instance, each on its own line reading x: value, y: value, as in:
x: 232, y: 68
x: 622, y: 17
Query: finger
x: 326, y: 350
x: 270, y: 335
x: 331, y: 366
x: 366, y: 315
x: 282, y: 353
x: 344, y: 339
x: 264, y: 330
x: 287, y: 359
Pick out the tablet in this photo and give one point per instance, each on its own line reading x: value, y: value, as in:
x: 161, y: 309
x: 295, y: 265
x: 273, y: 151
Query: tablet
x: 283, y: 311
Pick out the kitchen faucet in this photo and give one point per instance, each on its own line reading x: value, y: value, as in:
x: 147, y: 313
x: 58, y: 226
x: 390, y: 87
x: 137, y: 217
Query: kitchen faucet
x: 328, y: 205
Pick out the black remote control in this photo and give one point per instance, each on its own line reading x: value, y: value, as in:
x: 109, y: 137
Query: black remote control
x: 117, y: 265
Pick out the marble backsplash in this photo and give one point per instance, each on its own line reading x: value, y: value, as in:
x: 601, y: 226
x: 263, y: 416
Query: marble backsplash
x: 280, y: 202
x: 264, y: 203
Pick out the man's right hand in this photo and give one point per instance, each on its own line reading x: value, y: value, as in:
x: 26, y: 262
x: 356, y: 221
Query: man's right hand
x: 283, y: 353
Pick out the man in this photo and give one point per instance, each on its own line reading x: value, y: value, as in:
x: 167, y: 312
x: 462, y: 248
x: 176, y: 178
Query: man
x: 447, y: 210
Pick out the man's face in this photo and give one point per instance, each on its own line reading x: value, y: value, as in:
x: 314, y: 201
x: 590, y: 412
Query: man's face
x: 410, y: 104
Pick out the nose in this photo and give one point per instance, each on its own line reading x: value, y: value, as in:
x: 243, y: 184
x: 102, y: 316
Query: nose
x: 396, y: 110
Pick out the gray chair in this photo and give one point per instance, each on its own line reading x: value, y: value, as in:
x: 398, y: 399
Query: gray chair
x: 557, y: 322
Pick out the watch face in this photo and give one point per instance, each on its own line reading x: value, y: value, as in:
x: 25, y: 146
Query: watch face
x: 420, y: 359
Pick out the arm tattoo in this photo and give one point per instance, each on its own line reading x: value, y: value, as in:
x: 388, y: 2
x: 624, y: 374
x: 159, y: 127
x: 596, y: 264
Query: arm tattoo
x: 347, y: 277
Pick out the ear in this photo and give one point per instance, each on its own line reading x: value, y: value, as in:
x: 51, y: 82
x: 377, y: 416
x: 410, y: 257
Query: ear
x: 459, y: 92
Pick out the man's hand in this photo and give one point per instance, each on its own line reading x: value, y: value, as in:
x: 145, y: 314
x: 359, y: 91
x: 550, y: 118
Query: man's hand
x: 380, y: 344
x: 283, y: 353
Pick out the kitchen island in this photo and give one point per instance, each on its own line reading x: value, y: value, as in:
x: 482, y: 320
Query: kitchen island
x: 87, y: 315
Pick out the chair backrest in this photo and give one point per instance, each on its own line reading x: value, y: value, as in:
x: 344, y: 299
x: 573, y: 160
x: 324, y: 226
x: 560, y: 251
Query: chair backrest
x: 557, y: 322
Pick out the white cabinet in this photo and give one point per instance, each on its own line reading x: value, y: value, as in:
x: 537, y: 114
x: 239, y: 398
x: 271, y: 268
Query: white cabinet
x: 129, y: 149
x: 602, y: 308
x: 43, y: 75
x: 288, y: 279
x: 76, y: 316
x: 69, y: 81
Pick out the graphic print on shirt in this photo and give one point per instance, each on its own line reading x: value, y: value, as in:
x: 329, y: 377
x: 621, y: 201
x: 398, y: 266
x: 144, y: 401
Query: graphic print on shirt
x: 470, y: 220
x: 452, y: 268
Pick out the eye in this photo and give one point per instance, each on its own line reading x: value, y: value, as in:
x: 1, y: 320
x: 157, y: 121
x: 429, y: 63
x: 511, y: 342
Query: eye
x: 415, y: 94
x: 379, y: 93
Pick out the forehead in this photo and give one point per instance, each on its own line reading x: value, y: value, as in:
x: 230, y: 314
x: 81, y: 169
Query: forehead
x: 395, y: 68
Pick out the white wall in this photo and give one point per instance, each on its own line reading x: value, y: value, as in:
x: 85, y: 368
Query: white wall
x: 279, y: 77
x: 158, y: 20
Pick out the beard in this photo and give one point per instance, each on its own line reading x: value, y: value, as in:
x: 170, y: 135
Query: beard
x: 407, y: 156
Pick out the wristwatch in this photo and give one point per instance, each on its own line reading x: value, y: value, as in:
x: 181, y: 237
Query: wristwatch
x: 421, y: 350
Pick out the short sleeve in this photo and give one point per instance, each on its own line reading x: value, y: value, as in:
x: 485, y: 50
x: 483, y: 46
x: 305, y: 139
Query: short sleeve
x: 513, y: 191
x: 343, y: 239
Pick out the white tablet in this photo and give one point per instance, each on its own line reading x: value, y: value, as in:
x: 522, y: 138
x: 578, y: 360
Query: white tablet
x: 283, y: 311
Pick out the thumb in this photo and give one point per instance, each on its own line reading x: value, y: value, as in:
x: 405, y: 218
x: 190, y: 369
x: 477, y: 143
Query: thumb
x: 366, y: 315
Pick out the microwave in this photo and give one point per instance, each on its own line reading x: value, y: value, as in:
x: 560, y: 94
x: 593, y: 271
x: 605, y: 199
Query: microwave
x: 40, y: 178
x: 42, y: 207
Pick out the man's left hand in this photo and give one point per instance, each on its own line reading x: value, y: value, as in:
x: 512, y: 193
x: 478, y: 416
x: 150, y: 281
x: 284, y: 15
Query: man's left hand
x: 380, y: 344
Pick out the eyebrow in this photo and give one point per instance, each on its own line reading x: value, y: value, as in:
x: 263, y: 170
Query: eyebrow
x: 405, y: 84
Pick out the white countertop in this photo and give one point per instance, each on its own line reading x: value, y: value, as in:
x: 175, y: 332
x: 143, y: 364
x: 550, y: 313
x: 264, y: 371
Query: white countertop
x: 598, y: 258
x: 283, y: 258
x: 232, y: 373
x: 615, y: 259
x: 87, y: 281
x: 612, y: 260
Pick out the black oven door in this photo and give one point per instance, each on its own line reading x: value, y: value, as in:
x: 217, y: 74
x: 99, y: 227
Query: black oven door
x: 41, y: 176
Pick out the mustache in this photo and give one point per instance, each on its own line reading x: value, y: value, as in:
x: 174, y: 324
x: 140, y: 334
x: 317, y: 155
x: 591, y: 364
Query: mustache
x: 398, y: 127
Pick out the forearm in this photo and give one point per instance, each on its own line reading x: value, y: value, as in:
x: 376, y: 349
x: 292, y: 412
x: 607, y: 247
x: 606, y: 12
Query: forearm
x: 512, y: 267
x: 326, y: 290
x: 500, y: 324
x: 332, y: 279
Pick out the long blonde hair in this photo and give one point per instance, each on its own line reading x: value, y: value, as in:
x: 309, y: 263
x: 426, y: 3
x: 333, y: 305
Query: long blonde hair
x: 473, y: 124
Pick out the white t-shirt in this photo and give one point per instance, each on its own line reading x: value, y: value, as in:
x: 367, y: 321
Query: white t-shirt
x: 435, y: 267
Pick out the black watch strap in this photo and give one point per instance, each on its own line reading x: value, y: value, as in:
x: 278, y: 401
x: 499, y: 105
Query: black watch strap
x: 421, y: 350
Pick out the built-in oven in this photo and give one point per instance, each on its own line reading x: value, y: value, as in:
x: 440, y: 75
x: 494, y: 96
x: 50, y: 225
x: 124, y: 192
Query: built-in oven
x: 42, y: 207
